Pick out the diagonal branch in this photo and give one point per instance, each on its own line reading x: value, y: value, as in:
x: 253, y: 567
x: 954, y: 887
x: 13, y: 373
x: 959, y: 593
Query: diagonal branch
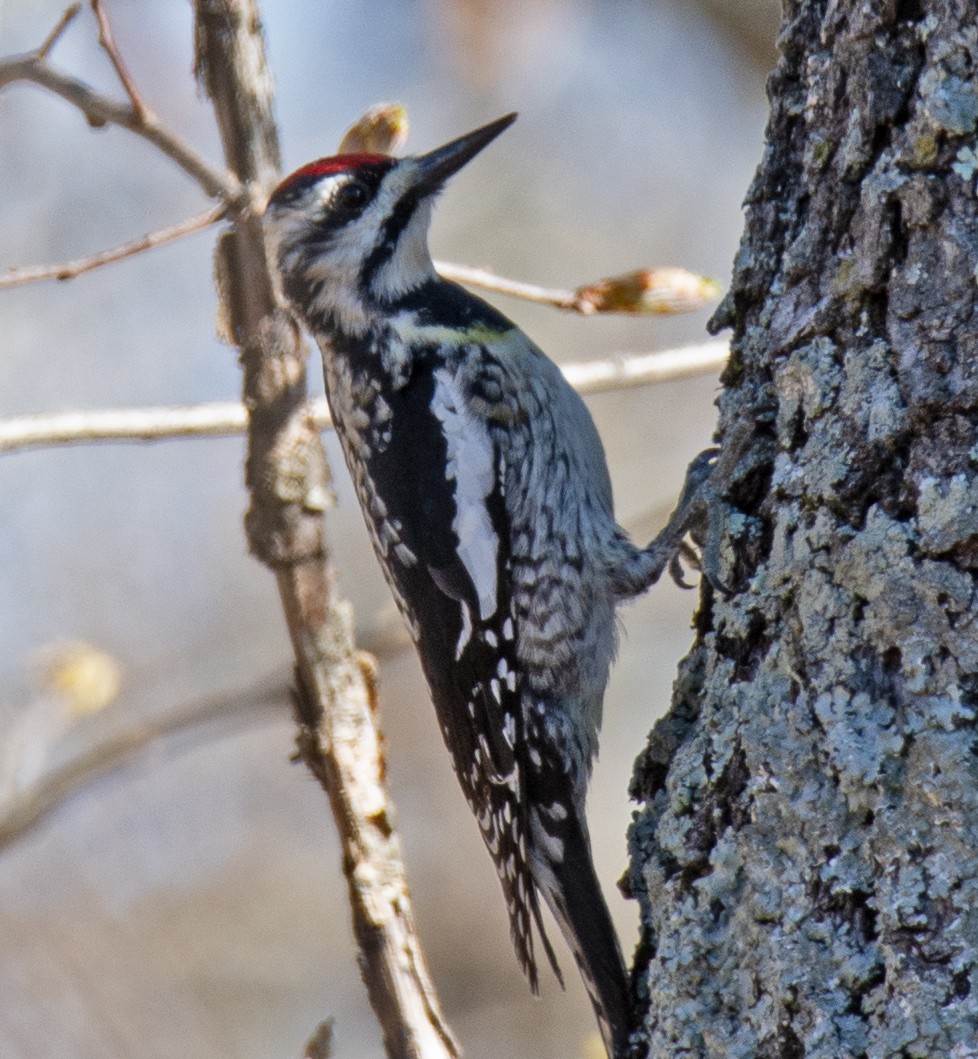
x: 99, y: 111
x: 24, y: 809
x: 107, y: 39
x: 15, y: 277
x: 69, y: 16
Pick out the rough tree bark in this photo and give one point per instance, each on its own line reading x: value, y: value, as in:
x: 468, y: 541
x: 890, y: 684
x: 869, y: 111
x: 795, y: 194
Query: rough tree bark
x: 806, y: 852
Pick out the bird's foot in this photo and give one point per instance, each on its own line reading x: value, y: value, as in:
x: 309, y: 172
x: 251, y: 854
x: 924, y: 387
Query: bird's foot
x: 701, y: 513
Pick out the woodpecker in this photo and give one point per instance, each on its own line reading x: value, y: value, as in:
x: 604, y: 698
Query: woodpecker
x: 485, y: 490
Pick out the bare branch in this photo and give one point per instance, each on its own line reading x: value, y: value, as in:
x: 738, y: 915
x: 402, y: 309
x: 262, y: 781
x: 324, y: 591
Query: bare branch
x: 99, y: 111
x: 627, y: 370
x: 647, y: 291
x: 123, y: 424
x: 69, y: 16
x: 24, y: 809
x: 15, y: 277
x: 107, y: 40
x: 222, y: 418
x: 288, y: 479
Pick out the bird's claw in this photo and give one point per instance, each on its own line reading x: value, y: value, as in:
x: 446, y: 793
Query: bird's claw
x: 684, y: 553
x: 701, y: 511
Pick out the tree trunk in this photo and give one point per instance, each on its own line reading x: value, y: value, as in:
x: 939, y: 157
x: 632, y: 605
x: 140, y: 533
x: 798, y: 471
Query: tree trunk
x: 806, y: 852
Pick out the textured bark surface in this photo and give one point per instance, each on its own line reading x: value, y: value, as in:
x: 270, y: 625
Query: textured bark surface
x: 806, y: 852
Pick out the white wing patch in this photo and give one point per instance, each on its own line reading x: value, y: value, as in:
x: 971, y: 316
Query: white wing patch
x: 466, y: 634
x: 471, y: 466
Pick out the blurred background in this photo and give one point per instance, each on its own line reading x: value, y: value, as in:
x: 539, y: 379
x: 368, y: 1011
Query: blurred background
x: 190, y: 902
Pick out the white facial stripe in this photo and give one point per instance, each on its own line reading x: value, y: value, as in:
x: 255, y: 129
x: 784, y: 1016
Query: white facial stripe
x: 339, y: 295
x: 326, y: 186
x: 410, y: 263
x: 471, y: 468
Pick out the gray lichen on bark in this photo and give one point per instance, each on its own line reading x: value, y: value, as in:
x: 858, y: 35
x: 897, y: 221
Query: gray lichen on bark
x: 805, y: 854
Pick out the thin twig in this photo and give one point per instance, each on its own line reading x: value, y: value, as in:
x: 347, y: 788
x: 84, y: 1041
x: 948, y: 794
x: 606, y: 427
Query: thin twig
x: 223, y: 418
x: 123, y: 424
x: 107, y: 40
x: 15, y: 277
x: 626, y: 370
x: 69, y: 16
x: 24, y: 809
x: 646, y: 291
x: 99, y: 110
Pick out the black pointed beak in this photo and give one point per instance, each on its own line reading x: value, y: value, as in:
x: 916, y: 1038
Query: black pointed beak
x: 437, y: 166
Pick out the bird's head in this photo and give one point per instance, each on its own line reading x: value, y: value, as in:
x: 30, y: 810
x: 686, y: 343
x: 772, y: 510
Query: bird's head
x: 350, y: 232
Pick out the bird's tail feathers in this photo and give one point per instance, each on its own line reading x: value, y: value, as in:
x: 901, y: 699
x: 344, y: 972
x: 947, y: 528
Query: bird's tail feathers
x: 524, y: 917
x: 565, y: 876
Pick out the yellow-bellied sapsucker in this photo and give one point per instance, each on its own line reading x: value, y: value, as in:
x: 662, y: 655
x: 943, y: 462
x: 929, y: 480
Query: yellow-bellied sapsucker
x: 484, y: 486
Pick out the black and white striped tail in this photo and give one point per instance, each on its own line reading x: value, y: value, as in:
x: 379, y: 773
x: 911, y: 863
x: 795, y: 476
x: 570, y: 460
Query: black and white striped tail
x: 504, y: 827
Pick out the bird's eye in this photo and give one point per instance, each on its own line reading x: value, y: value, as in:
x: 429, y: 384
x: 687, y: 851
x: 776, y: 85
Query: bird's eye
x: 353, y: 195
